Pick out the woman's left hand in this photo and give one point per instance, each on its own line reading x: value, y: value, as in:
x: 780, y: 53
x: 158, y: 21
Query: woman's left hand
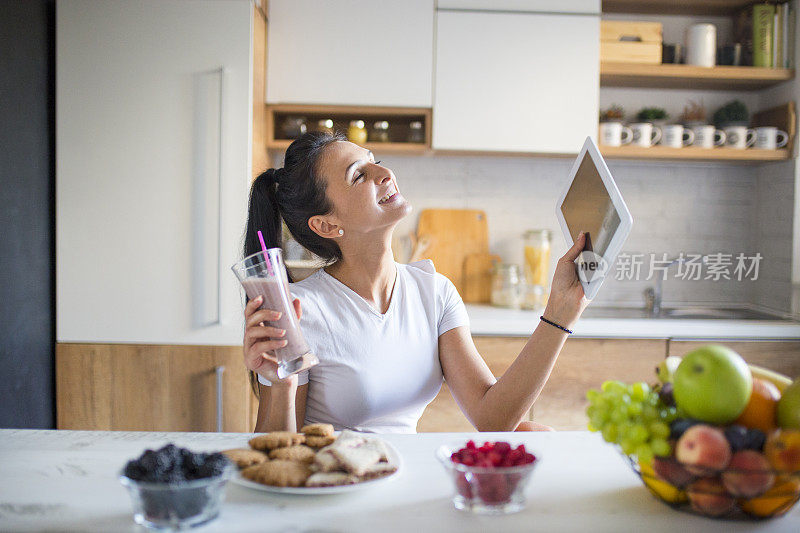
x: 567, y: 301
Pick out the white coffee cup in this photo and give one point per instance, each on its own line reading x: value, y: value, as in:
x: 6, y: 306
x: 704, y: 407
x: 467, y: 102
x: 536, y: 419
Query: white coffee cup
x: 645, y: 134
x: 739, y: 137
x: 767, y: 138
x: 615, y: 134
x: 676, y: 136
x: 701, y: 45
x: 707, y: 136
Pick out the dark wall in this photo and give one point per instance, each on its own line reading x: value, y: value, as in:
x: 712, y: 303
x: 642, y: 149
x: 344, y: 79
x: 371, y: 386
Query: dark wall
x: 27, y: 177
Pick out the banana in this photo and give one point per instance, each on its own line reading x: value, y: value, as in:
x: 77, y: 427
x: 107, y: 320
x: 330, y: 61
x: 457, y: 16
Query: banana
x: 779, y: 380
x: 666, y: 369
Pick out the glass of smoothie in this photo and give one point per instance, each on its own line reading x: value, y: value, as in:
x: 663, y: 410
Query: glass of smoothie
x: 264, y: 274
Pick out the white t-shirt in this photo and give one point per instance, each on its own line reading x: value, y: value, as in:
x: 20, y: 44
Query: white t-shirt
x: 377, y: 372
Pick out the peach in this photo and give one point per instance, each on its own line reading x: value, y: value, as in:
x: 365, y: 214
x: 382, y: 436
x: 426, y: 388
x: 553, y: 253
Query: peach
x: 670, y: 471
x: 708, y: 496
x: 703, y: 450
x: 783, y: 450
x: 749, y: 474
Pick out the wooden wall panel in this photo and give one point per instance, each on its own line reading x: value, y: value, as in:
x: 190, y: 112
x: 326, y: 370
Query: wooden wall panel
x: 780, y: 356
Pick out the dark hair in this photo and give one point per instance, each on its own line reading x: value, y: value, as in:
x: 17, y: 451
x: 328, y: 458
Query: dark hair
x: 294, y: 193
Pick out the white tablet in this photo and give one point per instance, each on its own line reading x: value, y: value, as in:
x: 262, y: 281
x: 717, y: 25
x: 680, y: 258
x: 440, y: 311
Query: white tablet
x: 592, y: 203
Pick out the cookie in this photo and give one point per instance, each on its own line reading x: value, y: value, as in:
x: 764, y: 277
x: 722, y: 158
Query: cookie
x: 278, y: 473
x: 276, y: 439
x: 315, y: 441
x: 318, y: 430
x: 325, y: 461
x: 330, y: 479
x: 299, y: 452
x: 243, y: 458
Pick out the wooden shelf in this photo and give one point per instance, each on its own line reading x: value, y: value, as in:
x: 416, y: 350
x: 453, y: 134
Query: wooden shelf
x: 691, y: 153
x: 691, y: 77
x: 341, y: 115
x: 676, y: 7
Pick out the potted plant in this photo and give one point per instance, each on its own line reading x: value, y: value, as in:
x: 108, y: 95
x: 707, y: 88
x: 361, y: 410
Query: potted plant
x: 654, y: 115
x: 615, y: 113
x: 733, y: 113
x: 694, y: 114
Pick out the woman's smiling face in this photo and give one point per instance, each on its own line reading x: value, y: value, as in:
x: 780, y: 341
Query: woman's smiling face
x: 364, y: 194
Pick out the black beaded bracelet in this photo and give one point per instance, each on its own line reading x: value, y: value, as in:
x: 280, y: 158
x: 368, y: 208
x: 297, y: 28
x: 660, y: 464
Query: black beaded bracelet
x: 562, y: 328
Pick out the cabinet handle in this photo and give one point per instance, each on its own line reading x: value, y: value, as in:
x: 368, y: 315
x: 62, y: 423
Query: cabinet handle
x: 208, y: 115
x: 219, y: 371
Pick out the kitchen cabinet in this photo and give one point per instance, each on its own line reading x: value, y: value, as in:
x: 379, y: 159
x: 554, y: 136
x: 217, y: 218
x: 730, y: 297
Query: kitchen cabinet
x: 779, y: 355
x: 358, y: 52
x: 515, y: 82
x: 152, y: 388
x: 156, y: 132
x: 582, y: 364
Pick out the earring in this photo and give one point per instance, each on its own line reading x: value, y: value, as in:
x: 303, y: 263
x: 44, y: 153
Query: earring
x: 341, y: 232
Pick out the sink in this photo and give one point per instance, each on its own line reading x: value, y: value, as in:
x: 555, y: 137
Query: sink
x: 681, y: 313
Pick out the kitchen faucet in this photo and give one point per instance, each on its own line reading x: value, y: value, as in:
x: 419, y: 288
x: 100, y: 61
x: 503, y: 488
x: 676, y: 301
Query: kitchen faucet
x: 653, y: 295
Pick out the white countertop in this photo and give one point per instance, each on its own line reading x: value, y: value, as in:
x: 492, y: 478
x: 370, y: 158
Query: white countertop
x: 67, y: 481
x: 488, y: 320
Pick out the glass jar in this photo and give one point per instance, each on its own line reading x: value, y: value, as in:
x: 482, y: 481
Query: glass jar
x: 293, y: 127
x: 325, y: 125
x: 537, y: 268
x: 506, y: 286
x: 356, y: 132
x: 380, y: 132
x: 415, y: 132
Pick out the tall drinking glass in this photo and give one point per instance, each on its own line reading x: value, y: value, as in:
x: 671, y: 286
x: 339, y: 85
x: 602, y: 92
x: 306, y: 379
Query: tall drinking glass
x: 264, y: 274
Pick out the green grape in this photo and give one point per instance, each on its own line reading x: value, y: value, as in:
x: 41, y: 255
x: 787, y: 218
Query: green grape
x: 628, y: 446
x: 644, y: 453
x: 669, y: 414
x: 592, y: 395
x: 638, y: 434
x: 619, y: 414
x: 660, y: 447
x: 616, y: 388
x: 598, y: 420
x: 591, y: 410
x: 659, y: 430
x: 610, y: 433
x: 592, y: 427
x: 649, y: 412
x: 624, y: 428
x: 639, y: 391
x: 635, y: 409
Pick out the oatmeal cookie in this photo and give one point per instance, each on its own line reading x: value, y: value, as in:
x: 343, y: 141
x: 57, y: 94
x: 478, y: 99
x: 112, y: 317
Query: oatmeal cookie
x: 299, y: 452
x: 276, y: 439
x: 243, y: 458
x: 315, y: 441
x: 278, y: 473
x: 318, y: 430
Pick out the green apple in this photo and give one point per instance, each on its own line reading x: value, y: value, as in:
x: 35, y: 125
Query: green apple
x: 713, y: 384
x: 788, y: 413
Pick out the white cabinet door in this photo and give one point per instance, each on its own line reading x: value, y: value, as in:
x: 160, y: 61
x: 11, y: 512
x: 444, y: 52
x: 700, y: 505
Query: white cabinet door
x: 152, y: 155
x: 538, y: 6
x: 350, y: 52
x: 515, y: 81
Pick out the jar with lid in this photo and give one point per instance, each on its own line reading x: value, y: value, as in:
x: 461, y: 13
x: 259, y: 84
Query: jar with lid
x: 506, y: 286
x: 293, y: 127
x: 380, y: 132
x: 325, y: 125
x: 415, y: 132
x: 356, y: 132
x: 537, y: 267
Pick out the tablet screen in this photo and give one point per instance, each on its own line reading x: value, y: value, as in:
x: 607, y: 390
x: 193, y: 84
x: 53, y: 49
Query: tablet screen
x: 588, y: 207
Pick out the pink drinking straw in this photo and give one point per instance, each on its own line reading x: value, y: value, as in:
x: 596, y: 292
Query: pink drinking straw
x: 264, y: 248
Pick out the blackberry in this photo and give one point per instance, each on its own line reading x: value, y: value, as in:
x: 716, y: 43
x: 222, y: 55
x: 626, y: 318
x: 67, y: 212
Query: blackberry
x: 755, y: 439
x: 679, y: 427
x: 666, y: 395
x: 154, y: 464
x: 134, y: 470
x: 737, y: 437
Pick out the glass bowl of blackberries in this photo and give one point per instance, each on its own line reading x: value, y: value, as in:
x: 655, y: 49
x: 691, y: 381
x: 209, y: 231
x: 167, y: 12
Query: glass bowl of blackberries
x: 176, y: 488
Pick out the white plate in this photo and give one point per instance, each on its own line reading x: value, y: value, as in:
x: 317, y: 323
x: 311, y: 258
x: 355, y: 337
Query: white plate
x: 393, y: 456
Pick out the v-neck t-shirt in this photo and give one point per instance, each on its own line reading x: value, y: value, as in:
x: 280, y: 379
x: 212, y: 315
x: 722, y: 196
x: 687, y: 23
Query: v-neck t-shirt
x: 376, y: 372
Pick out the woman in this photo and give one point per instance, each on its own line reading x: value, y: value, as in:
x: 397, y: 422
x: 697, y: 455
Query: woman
x: 386, y: 334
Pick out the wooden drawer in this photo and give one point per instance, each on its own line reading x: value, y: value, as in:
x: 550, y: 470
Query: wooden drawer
x: 151, y: 388
x: 779, y: 355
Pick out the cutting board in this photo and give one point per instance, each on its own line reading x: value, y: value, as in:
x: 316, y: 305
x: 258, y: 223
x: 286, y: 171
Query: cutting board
x: 478, y: 277
x: 454, y: 235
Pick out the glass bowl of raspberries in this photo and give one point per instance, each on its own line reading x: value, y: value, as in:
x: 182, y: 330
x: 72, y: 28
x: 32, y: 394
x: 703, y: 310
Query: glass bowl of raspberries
x: 489, y: 479
x: 176, y: 488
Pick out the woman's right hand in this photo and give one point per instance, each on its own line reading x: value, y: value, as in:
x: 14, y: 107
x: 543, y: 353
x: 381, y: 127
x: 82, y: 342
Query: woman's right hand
x: 260, y: 340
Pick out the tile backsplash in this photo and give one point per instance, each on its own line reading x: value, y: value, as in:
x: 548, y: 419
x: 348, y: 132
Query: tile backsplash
x: 677, y: 207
